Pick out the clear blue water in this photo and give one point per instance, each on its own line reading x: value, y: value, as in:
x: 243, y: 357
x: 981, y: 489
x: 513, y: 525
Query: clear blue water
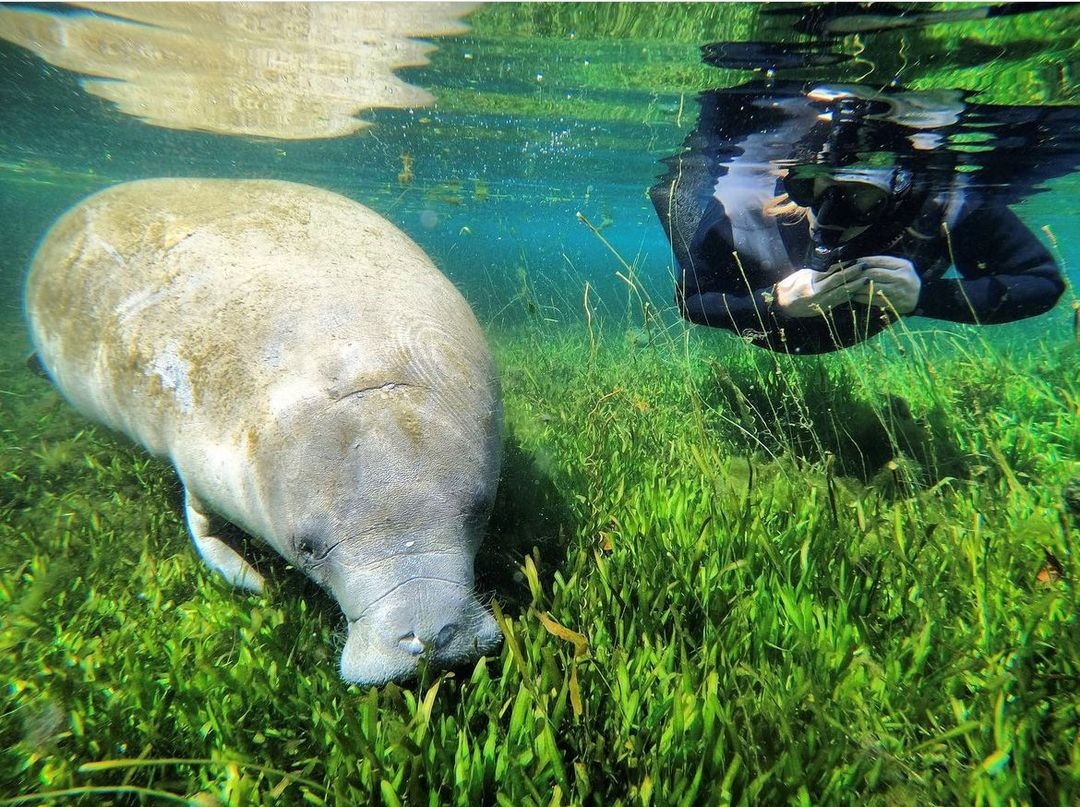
x: 574, y: 107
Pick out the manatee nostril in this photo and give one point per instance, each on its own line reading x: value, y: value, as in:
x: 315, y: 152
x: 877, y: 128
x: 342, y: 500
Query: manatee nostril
x: 445, y: 636
x: 411, y: 644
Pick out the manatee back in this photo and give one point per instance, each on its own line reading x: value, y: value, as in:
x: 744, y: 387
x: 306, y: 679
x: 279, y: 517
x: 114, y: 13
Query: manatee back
x: 170, y: 307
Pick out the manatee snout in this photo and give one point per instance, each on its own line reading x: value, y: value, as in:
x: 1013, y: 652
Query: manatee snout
x: 422, y: 618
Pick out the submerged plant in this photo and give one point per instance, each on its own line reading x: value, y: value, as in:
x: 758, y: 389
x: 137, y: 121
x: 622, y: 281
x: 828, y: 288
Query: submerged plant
x: 721, y: 577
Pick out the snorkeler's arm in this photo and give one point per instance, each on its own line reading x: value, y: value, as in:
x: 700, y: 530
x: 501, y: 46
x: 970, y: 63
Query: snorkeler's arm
x: 748, y: 311
x: 716, y: 289
x: 1005, y: 272
x: 713, y: 288
x: 757, y: 317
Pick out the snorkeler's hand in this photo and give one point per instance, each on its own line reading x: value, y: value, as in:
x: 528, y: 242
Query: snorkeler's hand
x: 886, y: 282
x: 806, y: 293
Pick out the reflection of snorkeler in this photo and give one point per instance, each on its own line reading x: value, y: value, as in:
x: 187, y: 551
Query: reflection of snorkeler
x: 827, y: 247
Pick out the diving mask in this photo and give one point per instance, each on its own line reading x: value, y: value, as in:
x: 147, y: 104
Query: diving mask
x: 843, y: 198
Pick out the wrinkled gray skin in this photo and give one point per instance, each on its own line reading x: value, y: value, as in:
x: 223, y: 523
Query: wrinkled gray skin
x: 313, y: 378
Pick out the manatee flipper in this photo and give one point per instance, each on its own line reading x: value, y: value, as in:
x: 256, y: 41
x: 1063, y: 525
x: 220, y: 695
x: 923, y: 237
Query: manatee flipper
x: 36, y: 366
x: 217, y: 554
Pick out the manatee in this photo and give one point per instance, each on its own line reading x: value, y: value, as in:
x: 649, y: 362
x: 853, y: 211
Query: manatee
x: 312, y: 377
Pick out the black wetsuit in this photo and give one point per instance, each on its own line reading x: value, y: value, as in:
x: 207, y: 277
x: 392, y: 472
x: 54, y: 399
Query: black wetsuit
x: 1005, y: 274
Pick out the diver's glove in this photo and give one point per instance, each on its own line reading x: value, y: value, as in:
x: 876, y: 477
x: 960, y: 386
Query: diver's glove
x: 806, y: 293
x: 886, y: 282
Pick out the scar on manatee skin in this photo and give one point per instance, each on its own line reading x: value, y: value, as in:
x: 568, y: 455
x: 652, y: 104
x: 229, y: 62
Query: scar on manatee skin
x: 389, y: 386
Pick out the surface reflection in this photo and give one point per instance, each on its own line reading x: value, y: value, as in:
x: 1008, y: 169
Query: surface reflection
x: 808, y: 217
x: 284, y: 70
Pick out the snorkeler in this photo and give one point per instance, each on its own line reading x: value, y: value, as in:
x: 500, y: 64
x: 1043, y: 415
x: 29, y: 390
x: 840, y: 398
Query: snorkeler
x: 854, y: 227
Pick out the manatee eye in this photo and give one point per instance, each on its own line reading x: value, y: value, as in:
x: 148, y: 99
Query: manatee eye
x: 307, y: 550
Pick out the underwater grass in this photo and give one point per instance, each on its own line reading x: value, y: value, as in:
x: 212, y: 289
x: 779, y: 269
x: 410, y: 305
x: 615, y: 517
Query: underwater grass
x: 705, y: 600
